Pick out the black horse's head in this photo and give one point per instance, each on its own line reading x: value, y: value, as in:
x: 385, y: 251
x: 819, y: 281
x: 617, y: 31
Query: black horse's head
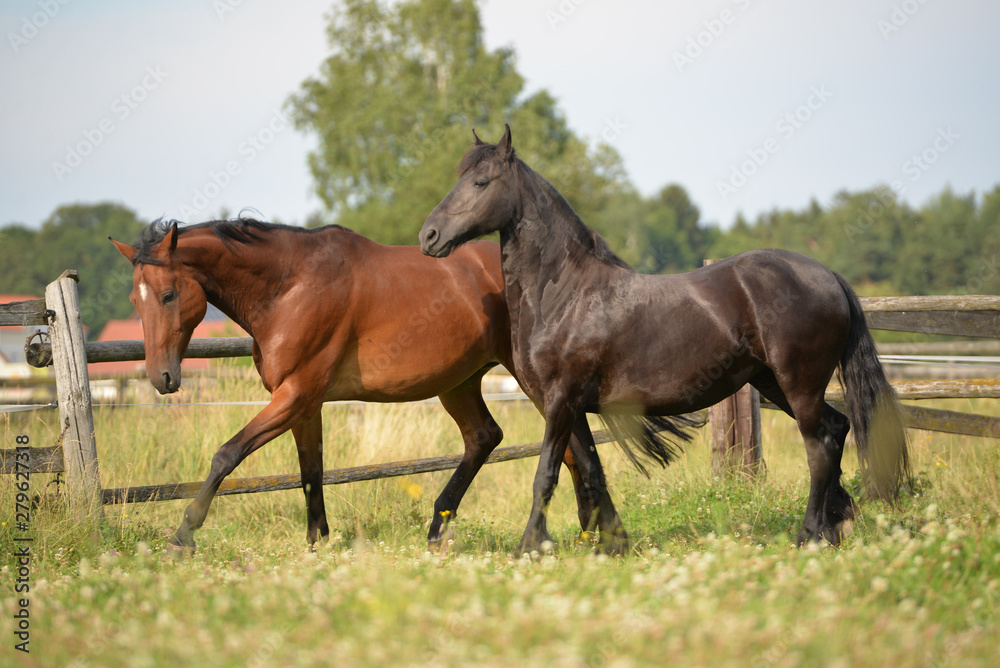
x: 484, y: 200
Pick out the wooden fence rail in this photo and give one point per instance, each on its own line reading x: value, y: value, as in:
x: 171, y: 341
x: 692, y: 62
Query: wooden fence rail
x: 973, y: 315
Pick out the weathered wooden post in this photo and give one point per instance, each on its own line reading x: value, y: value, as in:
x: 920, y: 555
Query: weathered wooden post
x: 735, y: 433
x: 734, y: 425
x: 76, y: 419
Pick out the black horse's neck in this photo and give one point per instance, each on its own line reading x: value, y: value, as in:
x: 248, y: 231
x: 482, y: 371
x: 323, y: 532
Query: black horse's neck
x: 552, y: 237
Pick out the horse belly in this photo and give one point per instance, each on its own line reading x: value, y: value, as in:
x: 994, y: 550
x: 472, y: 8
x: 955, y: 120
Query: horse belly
x: 408, y: 366
x: 681, y: 383
x: 668, y: 363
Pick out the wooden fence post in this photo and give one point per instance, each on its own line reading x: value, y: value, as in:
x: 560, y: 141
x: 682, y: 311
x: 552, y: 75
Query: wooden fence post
x: 76, y: 420
x: 735, y: 434
x: 734, y: 425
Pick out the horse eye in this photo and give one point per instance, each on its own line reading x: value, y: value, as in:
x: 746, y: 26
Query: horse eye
x: 481, y: 183
x: 167, y: 297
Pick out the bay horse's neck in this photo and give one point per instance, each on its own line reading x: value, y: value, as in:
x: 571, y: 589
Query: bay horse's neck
x: 240, y: 279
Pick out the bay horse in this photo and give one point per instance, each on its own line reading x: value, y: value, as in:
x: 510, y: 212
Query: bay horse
x: 335, y: 316
x: 590, y: 334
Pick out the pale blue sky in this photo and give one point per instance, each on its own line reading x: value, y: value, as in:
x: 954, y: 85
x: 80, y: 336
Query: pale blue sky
x: 749, y: 104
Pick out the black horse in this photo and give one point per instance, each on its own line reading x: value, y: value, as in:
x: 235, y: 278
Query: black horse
x: 590, y: 334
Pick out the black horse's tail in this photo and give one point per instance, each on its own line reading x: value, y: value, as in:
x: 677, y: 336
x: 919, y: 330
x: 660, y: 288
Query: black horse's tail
x: 658, y: 438
x: 873, y: 408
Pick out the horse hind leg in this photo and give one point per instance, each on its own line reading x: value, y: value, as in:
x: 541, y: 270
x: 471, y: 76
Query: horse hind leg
x: 481, y: 435
x: 830, y: 507
x: 595, y: 508
x: 309, y: 444
x: 831, y: 510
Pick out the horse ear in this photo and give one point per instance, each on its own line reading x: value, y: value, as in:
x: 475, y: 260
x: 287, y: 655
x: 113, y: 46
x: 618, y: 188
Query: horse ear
x: 479, y: 142
x: 169, y: 242
x: 504, y: 146
x: 126, y: 250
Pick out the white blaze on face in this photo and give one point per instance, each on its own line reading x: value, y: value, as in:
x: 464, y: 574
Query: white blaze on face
x: 143, y: 291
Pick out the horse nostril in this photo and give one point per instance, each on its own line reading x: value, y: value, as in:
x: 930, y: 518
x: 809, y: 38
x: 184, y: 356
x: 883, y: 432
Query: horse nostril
x: 431, y: 235
x: 166, y: 379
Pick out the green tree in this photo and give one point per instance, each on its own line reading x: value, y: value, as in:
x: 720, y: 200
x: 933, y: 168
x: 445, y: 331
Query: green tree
x: 983, y: 264
x: 936, y: 246
x: 394, y: 106
x: 75, y: 236
x: 881, y: 245
x: 865, y: 234
x: 659, y: 234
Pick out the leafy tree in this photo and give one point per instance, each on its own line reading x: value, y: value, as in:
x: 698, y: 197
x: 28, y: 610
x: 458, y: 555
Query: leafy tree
x: 394, y: 106
x: 75, y: 236
x: 881, y: 245
x: 660, y: 234
x: 864, y: 234
x: 983, y: 263
x: 935, y: 246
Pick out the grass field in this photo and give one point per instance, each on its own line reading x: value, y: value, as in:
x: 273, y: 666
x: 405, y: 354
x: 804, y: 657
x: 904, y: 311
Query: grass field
x: 712, y: 579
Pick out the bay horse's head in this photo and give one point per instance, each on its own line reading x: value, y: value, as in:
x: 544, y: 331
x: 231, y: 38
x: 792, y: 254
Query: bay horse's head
x: 169, y: 300
x: 484, y: 200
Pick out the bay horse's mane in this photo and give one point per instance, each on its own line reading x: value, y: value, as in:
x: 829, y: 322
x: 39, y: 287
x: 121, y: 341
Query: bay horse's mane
x: 595, y: 244
x: 240, y: 230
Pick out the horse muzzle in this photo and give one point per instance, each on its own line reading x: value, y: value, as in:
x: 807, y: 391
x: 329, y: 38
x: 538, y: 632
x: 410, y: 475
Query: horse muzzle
x: 165, y: 382
x: 431, y: 243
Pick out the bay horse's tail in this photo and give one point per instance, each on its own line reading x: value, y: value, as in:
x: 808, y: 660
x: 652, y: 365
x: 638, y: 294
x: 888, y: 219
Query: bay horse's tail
x: 656, y: 437
x: 873, y: 409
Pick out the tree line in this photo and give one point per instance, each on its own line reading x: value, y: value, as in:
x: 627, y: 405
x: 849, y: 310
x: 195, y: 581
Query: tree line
x: 950, y: 245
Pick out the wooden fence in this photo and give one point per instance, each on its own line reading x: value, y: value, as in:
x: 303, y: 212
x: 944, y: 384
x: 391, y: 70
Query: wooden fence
x: 735, y: 447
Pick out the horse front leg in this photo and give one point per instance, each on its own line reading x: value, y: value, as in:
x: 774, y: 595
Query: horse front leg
x: 559, y: 419
x: 286, y: 409
x: 309, y: 445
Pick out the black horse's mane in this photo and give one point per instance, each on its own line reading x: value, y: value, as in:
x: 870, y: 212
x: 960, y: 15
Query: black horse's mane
x: 591, y: 240
x: 241, y: 230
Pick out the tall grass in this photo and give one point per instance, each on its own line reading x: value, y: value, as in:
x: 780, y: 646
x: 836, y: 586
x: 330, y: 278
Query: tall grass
x: 712, y: 578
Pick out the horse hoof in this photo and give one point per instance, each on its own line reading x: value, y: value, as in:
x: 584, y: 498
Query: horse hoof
x: 535, y: 549
x: 442, y: 544
x: 179, y: 545
x: 614, y: 543
x: 614, y: 547
x: 822, y: 539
